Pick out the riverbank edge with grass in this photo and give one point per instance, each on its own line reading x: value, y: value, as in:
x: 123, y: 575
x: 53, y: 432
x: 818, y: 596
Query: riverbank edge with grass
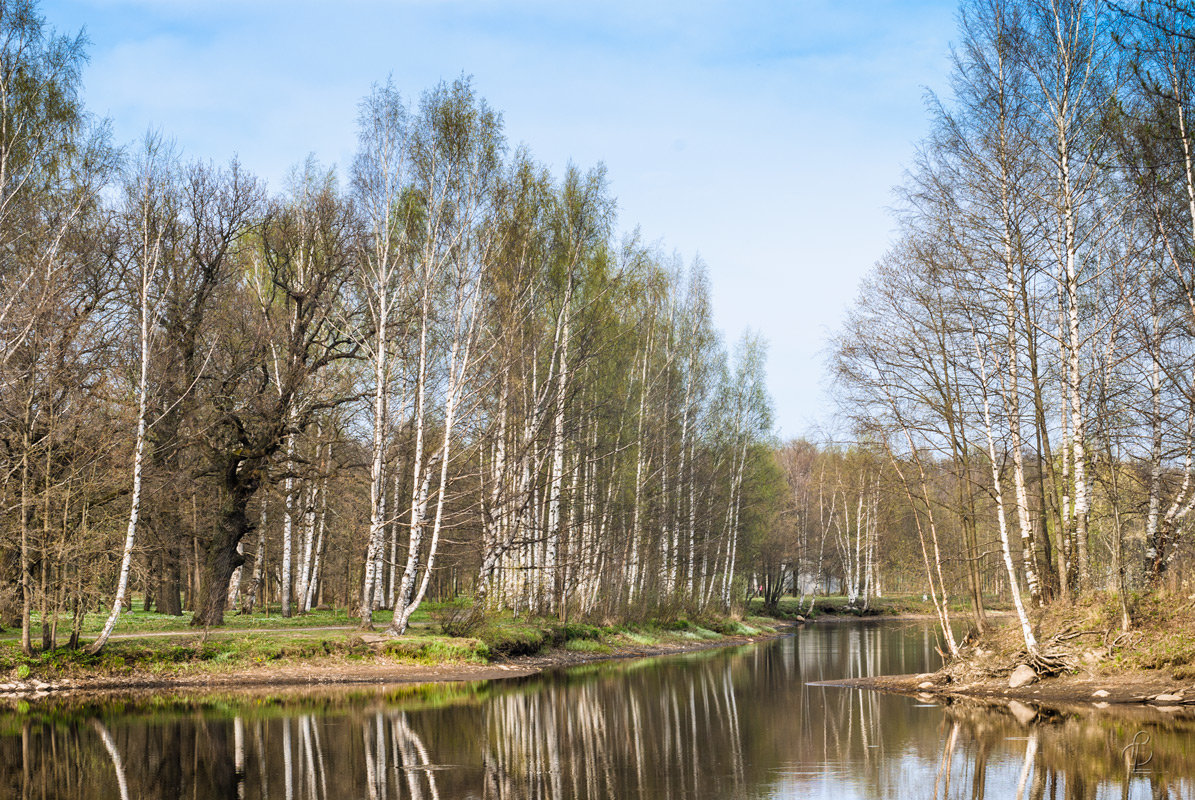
x: 1151, y: 664
x: 1140, y: 688
x: 504, y: 647
x: 154, y: 651
x: 836, y: 607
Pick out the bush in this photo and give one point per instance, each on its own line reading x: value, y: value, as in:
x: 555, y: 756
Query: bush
x: 518, y: 642
x: 579, y: 630
x: 506, y: 636
x: 435, y: 651
x: 460, y: 617
x: 680, y: 625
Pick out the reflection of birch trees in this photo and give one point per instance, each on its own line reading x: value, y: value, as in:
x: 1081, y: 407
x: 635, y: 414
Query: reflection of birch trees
x: 572, y: 741
x: 114, y: 754
x: 734, y: 723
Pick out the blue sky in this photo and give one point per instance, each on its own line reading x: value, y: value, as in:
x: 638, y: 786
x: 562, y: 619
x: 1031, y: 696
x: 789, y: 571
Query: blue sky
x: 764, y: 136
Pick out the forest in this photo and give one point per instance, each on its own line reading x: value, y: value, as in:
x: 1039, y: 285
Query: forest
x: 443, y: 373
x: 439, y: 372
x: 1017, y: 376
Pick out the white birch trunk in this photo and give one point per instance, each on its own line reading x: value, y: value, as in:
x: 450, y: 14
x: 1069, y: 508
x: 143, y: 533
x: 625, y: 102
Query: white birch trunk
x: 391, y: 589
x: 552, y: 534
x: 149, y: 258
x: 459, y: 361
x: 318, y: 554
x: 1002, y: 524
x: 234, y: 584
x: 288, y: 526
x: 635, y: 544
x: 308, y: 535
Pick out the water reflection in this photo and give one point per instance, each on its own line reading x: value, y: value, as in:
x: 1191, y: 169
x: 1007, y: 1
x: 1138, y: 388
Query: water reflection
x: 1078, y: 754
x: 739, y: 723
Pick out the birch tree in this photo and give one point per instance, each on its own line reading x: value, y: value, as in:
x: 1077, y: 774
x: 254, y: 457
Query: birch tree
x: 457, y: 145
x: 148, y: 207
x: 381, y: 186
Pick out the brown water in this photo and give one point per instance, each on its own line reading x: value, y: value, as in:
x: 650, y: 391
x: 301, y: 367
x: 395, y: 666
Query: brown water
x: 732, y: 723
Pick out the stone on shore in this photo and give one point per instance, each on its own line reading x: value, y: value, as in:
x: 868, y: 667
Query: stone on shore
x: 1022, y: 676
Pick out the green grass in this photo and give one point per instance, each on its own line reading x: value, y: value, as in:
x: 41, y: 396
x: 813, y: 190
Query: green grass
x: 587, y: 646
x: 269, y: 639
x: 138, y: 621
x: 438, y: 650
x: 171, y: 656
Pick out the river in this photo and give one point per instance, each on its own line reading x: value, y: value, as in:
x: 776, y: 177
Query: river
x: 739, y: 722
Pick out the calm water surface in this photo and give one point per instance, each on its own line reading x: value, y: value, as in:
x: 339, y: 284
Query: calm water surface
x: 732, y: 723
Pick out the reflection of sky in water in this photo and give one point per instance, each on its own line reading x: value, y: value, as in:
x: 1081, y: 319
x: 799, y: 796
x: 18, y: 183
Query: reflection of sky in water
x: 734, y: 723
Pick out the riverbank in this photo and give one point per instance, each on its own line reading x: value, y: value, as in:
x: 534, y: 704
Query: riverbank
x: 1094, y: 663
x: 501, y: 648
x: 839, y: 607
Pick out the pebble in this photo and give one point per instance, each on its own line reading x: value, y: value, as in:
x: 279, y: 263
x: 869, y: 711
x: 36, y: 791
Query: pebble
x: 1168, y: 698
x: 1100, y: 693
x: 925, y: 685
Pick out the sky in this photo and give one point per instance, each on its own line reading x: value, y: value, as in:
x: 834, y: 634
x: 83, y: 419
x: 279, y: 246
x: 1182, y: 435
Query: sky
x: 764, y: 137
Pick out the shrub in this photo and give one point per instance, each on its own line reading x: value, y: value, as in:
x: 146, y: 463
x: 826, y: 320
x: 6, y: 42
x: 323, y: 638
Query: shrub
x: 511, y: 637
x: 460, y: 617
x: 579, y: 630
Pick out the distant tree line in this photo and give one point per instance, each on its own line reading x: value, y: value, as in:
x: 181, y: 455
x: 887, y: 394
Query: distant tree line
x: 445, y: 377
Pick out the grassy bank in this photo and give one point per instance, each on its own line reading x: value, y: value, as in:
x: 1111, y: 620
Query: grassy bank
x: 1084, y: 656
x: 141, y: 622
x: 1086, y: 636
x: 153, y: 647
